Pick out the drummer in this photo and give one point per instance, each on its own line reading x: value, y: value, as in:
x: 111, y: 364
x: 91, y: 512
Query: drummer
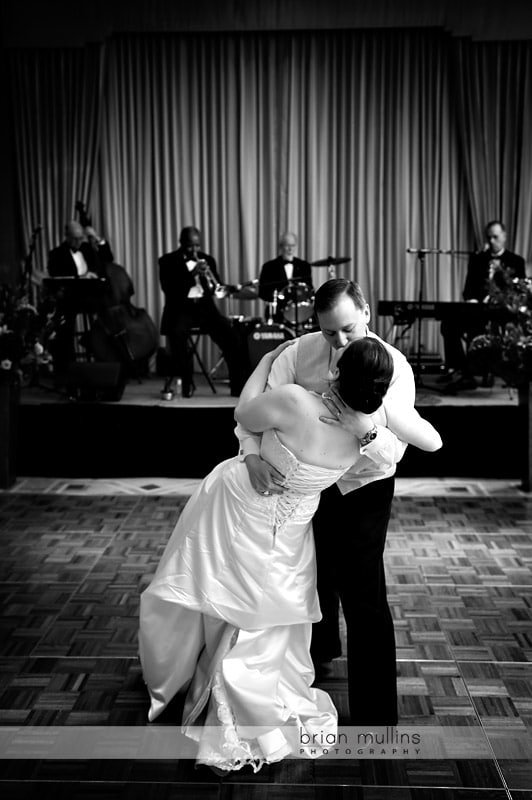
x: 289, y: 275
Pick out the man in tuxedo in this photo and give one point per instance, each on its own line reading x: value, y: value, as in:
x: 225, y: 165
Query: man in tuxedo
x: 493, y: 267
x: 281, y: 272
x: 82, y: 255
x: 188, y: 278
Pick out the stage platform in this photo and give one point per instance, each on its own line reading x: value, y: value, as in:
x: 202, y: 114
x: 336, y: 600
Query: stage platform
x: 143, y: 435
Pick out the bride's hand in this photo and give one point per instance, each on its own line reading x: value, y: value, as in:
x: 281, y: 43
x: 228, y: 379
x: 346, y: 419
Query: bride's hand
x: 342, y: 416
x: 264, y: 478
x: 272, y: 354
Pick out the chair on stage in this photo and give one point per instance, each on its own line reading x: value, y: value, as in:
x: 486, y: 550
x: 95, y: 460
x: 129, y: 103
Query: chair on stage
x: 194, y: 338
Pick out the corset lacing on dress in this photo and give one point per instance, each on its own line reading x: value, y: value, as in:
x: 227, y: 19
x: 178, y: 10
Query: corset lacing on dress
x: 304, y: 482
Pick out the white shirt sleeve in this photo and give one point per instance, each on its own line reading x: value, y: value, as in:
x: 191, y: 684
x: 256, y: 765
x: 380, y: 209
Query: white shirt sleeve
x: 401, y: 393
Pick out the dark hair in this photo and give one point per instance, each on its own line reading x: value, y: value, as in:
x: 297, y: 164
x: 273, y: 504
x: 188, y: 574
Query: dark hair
x: 329, y: 293
x: 365, y: 370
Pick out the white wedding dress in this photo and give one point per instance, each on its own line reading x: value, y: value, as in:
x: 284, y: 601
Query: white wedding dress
x: 229, y: 614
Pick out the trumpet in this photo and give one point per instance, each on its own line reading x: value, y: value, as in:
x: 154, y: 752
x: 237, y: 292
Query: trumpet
x: 204, y: 269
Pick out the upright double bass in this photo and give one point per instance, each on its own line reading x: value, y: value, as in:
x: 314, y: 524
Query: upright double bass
x: 120, y: 331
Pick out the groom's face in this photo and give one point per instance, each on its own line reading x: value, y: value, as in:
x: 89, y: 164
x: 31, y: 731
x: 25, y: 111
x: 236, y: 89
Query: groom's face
x: 343, y: 322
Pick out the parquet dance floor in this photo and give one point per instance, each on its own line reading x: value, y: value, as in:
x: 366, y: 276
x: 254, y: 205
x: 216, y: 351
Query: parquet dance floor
x: 460, y: 588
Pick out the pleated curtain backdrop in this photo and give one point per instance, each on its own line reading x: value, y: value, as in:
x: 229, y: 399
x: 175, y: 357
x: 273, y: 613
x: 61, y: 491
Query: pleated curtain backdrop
x: 56, y: 105
x: 364, y: 143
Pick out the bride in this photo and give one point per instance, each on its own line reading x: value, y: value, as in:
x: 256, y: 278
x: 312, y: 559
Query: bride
x: 229, y: 612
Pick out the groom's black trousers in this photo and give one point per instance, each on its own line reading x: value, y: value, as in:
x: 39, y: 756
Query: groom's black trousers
x: 350, y: 533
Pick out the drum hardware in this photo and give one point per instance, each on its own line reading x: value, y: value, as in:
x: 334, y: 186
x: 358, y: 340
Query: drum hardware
x: 239, y: 291
x: 311, y: 326
x: 245, y: 291
x: 263, y: 338
x: 225, y: 294
x: 242, y: 326
x: 330, y: 262
x: 298, y: 303
x: 272, y: 307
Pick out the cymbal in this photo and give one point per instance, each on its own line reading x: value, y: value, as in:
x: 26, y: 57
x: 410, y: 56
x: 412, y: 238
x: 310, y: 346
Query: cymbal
x: 246, y: 293
x: 330, y: 261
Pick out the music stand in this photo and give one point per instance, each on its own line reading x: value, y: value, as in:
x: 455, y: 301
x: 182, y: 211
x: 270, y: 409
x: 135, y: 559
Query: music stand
x: 77, y: 296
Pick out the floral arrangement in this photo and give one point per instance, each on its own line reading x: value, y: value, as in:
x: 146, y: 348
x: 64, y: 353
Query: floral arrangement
x: 506, y: 347
x: 23, y: 336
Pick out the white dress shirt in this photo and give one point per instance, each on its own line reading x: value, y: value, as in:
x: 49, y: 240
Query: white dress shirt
x: 79, y: 261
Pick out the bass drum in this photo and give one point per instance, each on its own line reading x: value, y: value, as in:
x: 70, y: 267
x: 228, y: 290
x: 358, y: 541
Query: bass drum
x: 265, y: 337
x: 298, y: 303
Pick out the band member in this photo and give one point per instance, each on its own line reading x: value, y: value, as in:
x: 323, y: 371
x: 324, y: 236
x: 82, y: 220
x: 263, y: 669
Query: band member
x: 493, y: 266
x: 188, y: 278
x: 277, y: 276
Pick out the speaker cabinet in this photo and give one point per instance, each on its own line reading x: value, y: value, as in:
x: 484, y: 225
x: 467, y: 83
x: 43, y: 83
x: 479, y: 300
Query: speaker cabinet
x: 96, y: 381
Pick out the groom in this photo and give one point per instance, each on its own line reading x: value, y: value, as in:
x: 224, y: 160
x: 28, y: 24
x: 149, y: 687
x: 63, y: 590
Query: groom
x: 351, y: 522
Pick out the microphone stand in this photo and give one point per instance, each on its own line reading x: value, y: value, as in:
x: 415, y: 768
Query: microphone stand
x: 421, y: 252
x: 296, y: 303
x: 27, y: 276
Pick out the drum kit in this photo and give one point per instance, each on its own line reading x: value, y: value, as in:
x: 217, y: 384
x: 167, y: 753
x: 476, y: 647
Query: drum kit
x: 290, y: 313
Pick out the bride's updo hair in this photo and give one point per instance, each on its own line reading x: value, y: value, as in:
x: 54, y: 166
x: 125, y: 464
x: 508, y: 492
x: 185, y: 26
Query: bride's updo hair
x: 365, y: 370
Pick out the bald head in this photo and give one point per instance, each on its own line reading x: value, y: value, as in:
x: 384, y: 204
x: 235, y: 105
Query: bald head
x: 74, y: 234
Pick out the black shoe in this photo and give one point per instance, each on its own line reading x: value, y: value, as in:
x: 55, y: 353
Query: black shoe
x: 187, y: 390
x: 488, y: 380
x: 167, y: 393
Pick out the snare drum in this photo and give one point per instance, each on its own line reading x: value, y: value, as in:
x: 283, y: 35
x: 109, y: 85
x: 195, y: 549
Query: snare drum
x: 297, y: 300
x: 263, y: 338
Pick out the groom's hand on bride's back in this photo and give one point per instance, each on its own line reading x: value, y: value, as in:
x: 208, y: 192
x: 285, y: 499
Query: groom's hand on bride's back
x: 263, y: 476
x: 272, y: 354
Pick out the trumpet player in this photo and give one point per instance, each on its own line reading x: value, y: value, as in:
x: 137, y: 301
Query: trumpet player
x: 189, y: 278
